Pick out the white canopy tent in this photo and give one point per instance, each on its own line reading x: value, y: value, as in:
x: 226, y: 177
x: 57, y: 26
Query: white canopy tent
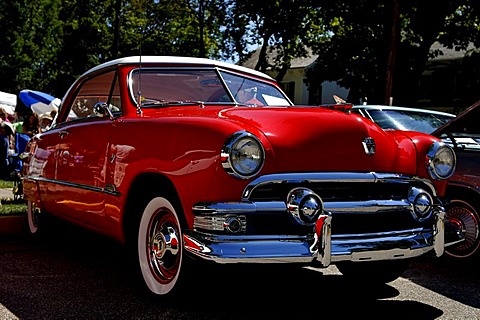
x: 8, y: 101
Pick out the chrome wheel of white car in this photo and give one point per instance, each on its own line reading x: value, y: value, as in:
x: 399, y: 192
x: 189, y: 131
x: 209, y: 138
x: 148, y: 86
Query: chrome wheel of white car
x: 464, y: 215
x: 160, y: 249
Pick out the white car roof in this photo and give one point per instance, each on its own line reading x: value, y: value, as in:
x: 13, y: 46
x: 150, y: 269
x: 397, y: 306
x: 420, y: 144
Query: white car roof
x: 180, y: 60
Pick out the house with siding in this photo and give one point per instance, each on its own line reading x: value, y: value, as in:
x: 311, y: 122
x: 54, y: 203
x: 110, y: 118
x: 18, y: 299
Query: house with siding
x: 444, y: 84
x: 293, y: 82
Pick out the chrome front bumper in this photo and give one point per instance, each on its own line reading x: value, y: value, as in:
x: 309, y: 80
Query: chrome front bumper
x: 214, y: 236
x: 321, y: 247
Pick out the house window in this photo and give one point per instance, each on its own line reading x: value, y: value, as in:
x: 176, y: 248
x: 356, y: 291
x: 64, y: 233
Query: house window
x: 289, y: 89
x: 315, y: 95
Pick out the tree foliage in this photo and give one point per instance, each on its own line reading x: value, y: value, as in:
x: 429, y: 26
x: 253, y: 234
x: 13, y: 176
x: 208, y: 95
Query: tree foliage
x: 280, y: 28
x: 46, y: 44
x: 359, y: 43
x: 28, y: 39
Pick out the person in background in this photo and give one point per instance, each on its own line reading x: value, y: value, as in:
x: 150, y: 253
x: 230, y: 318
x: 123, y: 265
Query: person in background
x: 53, y: 114
x: 248, y: 96
x: 17, y: 123
x: 6, y: 132
x: 30, y: 124
x: 44, y: 122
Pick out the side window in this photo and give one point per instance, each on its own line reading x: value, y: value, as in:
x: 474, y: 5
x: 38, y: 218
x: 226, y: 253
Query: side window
x: 115, y: 101
x: 102, y: 88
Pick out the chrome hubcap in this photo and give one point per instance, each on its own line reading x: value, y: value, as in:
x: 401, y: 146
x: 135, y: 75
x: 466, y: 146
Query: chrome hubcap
x: 466, y: 219
x: 163, y: 246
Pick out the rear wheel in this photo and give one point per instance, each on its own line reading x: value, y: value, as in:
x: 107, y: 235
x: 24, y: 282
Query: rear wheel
x: 376, y: 272
x: 34, y: 217
x: 159, y: 246
x: 464, y: 215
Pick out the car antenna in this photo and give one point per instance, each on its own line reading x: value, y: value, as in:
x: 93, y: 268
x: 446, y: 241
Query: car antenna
x: 139, y: 90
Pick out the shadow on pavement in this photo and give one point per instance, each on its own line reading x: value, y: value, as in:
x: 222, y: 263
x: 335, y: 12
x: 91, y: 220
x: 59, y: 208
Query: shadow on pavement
x: 456, y: 279
x: 78, y: 275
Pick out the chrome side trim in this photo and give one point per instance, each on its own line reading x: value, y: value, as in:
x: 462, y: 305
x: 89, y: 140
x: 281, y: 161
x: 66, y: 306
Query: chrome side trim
x: 106, y: 190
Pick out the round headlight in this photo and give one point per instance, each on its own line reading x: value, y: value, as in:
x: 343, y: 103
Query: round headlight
x: 243, y: 155
x: 441, y: 161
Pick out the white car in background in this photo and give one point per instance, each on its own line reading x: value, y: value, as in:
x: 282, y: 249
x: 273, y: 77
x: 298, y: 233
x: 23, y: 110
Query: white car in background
x: 404, y: 118
x: 462, y: 132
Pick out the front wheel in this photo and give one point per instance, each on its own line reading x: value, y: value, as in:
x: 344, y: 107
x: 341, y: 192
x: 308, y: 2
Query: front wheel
x: 464, y: 215
x: 375, y: 272
x: 160, y: 250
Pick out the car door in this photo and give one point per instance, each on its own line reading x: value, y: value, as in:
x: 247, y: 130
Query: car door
x: 81, y: 151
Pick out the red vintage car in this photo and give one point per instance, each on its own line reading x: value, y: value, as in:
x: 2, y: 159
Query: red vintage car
x: 192, y: 158
x: 463, y: 135
x: 463, y: 191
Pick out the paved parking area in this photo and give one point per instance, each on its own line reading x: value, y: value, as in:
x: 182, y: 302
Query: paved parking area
x: 6, y: 193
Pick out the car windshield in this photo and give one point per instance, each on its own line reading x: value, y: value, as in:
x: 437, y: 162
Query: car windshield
x: 160, y: 86
x: 408, y: 120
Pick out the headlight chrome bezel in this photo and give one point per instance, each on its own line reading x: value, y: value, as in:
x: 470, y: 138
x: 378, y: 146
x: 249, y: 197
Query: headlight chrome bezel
x: 441, y: 161
x: 239, y: 163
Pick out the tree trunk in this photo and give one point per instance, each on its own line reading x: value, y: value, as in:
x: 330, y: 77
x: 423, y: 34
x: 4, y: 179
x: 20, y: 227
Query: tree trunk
x: 392, y: 51
x: 116, y: 30
x: 262, y: 62
x: 201, y: 27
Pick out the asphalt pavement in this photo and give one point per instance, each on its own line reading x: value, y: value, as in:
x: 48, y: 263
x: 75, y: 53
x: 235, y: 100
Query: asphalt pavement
x: 5, y: 314
x: 6, y: 193
x: 78, y: 275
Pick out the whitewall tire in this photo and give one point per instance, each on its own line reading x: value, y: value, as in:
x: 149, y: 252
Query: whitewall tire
x: 32, y: 216
x: 160, y: 250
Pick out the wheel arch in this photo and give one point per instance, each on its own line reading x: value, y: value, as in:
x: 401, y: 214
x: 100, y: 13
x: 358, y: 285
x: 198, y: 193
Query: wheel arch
x: 142, y: 190
x: 464, y: 192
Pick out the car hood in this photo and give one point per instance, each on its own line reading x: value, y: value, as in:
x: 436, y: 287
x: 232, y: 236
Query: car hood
x: 313, y: 139
x: 466, y: 121
x: 464, y: 128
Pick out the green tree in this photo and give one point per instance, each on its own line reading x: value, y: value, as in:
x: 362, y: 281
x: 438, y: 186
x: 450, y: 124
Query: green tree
x: 280, y: 28
x: 171, y: 27
x: 47, y: 44
x: 360, y: 46
x: 86, y: 38
x: 28, y: 39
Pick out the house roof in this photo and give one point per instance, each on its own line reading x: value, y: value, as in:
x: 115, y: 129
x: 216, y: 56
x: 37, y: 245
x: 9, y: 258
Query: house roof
x: 449, y: 53
x: 302, y: 62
